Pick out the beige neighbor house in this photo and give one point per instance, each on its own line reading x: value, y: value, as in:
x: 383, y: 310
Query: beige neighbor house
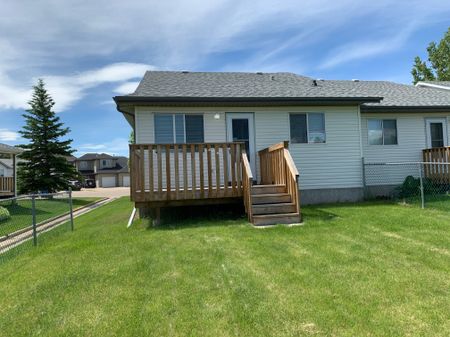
x: 259, y: 137
x: 8, y: 170
x: 106, y: 170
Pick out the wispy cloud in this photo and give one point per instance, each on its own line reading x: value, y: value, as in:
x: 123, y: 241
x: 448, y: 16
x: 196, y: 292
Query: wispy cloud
x: 8, y: 135
x: 68, y: 89
x: 126, y: 88
x: 117, y: 146
x: 367, y: 48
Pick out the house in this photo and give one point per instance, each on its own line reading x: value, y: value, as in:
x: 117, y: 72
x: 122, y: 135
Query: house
x: 104, y: 169
x: 8, y: 170
x: 442, y: 85
x: 331, y: 126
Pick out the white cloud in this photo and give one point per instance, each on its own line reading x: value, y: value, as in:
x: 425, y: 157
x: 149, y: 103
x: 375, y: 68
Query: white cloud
x: 117, y: 146
x: 68, y: 89
x: 8, y: 135
x: 363, y: 49
x: 126, y: 88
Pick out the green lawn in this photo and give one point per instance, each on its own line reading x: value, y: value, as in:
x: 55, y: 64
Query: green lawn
x: 45, y: 209
x: 350, y: 270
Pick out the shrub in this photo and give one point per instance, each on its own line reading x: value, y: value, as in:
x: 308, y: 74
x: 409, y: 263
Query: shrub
x: 4, y: 214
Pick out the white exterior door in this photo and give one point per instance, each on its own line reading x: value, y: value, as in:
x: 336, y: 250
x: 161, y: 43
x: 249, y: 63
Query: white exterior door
x: 241, y: 128
x: 126, y: 181
x: 108, y: 181
x: 436, y: 129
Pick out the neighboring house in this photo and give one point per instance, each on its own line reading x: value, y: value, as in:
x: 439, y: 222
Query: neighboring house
x: 8, y: 170
x: 106, y: 170
x: 331, y: 126
x: 442, y: 85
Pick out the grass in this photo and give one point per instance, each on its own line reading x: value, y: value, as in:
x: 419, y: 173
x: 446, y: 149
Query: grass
x: 21, y: 216
x: 351, y: 270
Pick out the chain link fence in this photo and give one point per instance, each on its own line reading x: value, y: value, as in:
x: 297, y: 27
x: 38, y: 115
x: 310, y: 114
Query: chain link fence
x: 26, y: 220
x: 418, y: 183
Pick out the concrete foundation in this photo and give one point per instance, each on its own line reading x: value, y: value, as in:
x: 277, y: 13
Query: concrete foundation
x: 331, y: 195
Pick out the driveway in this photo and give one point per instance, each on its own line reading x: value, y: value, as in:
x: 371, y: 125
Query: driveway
x: 111, y: 192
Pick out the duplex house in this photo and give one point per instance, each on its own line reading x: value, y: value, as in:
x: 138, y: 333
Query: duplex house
x: 104, y: 169
x: 324, y: 129
x: 8, y: 170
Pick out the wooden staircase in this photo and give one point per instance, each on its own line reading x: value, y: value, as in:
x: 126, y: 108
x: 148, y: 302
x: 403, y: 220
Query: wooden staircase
x: 271, y: 204
x: 276, y: 200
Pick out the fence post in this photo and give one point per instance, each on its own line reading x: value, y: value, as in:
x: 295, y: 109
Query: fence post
x: 71, y: 208
x: 422, y: 197
x: 364, y: 178
x: 33, y: 213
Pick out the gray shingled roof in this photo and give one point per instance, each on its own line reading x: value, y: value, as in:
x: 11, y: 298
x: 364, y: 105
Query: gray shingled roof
x: 94, y: 156
x: 4, y: 148
x: 210, y: 85
x: 234, y: 84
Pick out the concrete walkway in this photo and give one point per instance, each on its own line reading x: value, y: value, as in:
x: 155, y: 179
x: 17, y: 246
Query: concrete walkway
x: 15, y: 240
x: 112, y: 192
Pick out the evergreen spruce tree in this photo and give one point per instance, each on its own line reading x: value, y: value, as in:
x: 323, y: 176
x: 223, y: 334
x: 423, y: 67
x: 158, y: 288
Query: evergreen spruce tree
x: 44, y: 167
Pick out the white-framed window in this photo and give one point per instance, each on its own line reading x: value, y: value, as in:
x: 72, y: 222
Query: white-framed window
x: 179, y: 128
x: 382, y: 131
x: 307, y: 127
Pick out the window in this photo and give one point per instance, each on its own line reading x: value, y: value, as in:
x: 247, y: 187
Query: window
x: 2, y: 172
x: 307, y: 128
x: 83, y: 165
x: 382, y: 131
x: 437, y: 134
x: 178, y: 128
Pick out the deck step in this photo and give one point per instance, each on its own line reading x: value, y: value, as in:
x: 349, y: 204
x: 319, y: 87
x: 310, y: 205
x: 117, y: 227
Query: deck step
x: 272, y: 198
x: 268, y: 189
x: 274, y: 208
x: 273, y: 219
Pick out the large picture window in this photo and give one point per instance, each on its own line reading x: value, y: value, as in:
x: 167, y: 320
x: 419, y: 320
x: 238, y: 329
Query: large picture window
x: 382, y: 132
x: 307, y: 127
x: 178, y: 128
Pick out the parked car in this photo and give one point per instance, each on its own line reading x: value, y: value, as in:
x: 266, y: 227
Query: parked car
x: 75, y: 185
x: 89, y: 183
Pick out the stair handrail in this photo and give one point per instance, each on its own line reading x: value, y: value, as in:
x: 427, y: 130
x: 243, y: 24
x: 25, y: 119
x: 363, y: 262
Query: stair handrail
x: 247, y: 182
x: 278, y: 167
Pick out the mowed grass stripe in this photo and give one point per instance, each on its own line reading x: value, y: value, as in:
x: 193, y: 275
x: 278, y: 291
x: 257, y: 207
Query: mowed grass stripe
x: 350, y: 270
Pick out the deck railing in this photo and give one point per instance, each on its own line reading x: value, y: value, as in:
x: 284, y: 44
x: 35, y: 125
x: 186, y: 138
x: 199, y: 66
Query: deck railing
x: 436, y: 164
x: 167, y: 172
x: 7, y: 184
x: 247, y: 182
x: 278, y: 167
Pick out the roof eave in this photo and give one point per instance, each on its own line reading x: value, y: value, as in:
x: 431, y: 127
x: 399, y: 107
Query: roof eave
x: 403, y: 108
x: 242, y: 101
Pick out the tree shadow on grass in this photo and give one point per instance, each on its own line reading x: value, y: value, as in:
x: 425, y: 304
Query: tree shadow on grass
x: 199, y: 216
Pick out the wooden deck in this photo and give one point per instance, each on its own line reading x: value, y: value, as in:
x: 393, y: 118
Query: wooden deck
x: 6, y: 186
x: 437, y: 164
x: 166, y: 175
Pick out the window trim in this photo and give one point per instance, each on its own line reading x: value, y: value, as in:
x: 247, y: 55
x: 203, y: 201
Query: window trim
x: 382, y: 131
x: 307, y: 127
x: 174, y: 135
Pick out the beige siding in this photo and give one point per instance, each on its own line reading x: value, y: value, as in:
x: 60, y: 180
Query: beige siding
x: 335, y: 164
x: 411, y: 133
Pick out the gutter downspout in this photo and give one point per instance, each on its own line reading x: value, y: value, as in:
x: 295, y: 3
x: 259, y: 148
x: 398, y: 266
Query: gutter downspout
x: 363, y: 178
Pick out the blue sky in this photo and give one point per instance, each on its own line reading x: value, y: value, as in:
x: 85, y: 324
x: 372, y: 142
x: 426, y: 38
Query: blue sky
x: 89, y: 51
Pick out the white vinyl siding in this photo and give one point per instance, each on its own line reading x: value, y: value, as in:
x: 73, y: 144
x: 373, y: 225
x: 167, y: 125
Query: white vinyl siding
x: 411, y: 137
x: 334, y: 164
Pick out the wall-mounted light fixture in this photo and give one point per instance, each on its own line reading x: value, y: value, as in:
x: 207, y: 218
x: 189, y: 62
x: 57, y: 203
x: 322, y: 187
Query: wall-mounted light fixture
x: 217, y: 116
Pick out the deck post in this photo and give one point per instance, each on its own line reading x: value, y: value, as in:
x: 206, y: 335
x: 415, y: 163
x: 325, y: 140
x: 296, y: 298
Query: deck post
x: 157, y: 217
